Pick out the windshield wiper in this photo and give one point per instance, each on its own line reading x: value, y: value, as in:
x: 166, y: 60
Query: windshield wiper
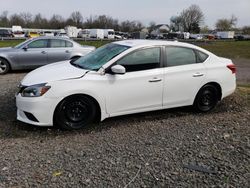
x: 76, y: 65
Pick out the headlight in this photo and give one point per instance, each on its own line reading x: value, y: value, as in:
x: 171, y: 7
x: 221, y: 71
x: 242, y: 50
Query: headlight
x: 35, y: 90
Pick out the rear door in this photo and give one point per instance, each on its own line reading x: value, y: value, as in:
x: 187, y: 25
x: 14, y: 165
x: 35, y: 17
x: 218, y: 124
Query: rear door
x: 184, y: 76
x: 59, y: 50
x: 34, y: 55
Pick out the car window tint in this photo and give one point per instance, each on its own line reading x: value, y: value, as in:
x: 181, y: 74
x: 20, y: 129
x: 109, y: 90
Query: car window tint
x: 69, y: 44
x: 141, y: 60
x: 201, y: 56
x: 38, y: 44
x: 177, y: 56
x: 54, y: 43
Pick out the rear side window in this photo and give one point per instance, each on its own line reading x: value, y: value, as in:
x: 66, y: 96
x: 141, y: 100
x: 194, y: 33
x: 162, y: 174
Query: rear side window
x: 201, y: 57
x: 69, y: 44
x: 56, y: 43
x: 141, y: 60
x: 177, y: 56
x: 38, y: 44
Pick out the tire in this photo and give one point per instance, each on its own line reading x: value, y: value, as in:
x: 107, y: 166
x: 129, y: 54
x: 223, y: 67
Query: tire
x: 206, y: 99
x: 75, y: 112
x: 4, y: 66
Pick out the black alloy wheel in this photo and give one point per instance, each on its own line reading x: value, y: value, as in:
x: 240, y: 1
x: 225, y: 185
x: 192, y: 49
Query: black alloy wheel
x: 206, y: 99
x: 75, y: 112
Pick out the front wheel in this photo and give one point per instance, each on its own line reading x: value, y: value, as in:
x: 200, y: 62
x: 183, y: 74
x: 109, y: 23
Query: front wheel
x: 75, y: 112
x: 4, y: 66
x: 206, y: 99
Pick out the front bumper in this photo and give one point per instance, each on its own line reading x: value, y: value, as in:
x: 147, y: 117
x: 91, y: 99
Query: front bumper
x: 41, y: 108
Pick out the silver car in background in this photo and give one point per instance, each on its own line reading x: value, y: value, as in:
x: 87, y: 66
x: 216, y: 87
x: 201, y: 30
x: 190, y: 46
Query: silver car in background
x: 40, y: 51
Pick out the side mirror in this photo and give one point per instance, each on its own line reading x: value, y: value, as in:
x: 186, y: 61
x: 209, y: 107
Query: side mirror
x: 118, y: 69
x: 25, y: 48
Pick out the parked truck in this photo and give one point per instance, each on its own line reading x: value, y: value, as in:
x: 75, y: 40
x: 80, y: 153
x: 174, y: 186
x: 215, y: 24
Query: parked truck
x: 84, y: 33
x: 225, y: 34
x: 17, y: 31
x: 72, y: 31
x: 96, y: 33
x: 109, y: 33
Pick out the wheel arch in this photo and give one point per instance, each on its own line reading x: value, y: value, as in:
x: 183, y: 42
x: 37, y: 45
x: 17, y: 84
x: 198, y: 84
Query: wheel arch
x: 2, y: 57
x: 98, y: 107
x: 216, y: 85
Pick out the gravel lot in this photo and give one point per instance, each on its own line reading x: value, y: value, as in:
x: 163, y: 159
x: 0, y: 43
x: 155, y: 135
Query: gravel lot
x: 170, y: 148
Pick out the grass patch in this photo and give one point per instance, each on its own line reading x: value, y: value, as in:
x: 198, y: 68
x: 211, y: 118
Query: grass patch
x: 244, y: 90
x: 97, y: 44
x: 9, y: 43
x: 229, y: 49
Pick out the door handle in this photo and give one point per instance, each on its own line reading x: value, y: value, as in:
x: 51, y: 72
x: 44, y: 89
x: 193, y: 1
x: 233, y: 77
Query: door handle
x: 67, y: 51
x: 43, y: 52
x: 198, y: 74
x: 155, y: 80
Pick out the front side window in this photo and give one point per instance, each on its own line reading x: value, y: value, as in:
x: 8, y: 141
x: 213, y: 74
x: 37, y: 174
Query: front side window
x: 141, y: 60
x: 38, y: 44
x: 177, y: 56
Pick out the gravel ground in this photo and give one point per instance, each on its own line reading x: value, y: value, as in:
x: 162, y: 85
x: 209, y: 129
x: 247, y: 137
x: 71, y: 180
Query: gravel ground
x: 170, y: 148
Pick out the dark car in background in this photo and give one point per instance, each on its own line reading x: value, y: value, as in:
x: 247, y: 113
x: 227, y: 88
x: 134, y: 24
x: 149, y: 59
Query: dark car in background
x: 5, y: 33
x: 40, y: 51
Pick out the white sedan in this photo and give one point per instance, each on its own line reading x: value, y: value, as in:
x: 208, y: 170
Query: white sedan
x: 121, y: 78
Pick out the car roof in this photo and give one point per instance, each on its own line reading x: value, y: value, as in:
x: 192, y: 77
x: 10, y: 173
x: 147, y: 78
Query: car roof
x: 141, y: 43
x: 51, y: 37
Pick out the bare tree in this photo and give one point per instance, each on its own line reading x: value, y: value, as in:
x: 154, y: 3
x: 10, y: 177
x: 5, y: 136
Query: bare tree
x: 191, y: 18
x: 226, y: 24
x: 15, y: 19
x: 151, y: 27
x: 76, y: 18
x: 56, y: 22
x: 27, y: 18
x: 246, y: 30
x: 4, y: 20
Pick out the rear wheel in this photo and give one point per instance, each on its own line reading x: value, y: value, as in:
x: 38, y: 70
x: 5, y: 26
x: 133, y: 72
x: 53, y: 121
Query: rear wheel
x: 75, y: 112
x: 206, y: 99
x: 4, y: 66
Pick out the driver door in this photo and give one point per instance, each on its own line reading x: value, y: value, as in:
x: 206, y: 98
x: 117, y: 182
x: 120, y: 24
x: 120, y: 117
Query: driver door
x: 34, y: 55
x: 140, y: 88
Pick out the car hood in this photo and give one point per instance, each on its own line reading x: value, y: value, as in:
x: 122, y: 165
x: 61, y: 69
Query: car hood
x: 53, y: 72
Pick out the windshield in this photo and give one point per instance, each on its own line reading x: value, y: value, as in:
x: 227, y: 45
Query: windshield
x: 96, y: 59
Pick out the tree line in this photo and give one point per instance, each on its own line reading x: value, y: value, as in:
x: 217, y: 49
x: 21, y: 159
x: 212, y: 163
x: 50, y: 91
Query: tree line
x: 190, y: 20
x: 27, y: 20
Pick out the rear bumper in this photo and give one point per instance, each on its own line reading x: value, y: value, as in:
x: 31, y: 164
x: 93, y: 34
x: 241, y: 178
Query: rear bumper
x: 41, y: 110
x: 229, y: 87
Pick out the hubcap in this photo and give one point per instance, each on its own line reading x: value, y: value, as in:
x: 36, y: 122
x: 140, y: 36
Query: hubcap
x: 76, y: 111
x: 2, y: 66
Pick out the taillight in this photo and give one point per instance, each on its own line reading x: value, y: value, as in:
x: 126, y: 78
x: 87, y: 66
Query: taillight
x: 232, y: 67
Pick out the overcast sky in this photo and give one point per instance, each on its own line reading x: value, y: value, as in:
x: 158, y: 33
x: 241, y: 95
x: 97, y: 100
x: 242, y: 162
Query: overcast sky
x: 145, y: 11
